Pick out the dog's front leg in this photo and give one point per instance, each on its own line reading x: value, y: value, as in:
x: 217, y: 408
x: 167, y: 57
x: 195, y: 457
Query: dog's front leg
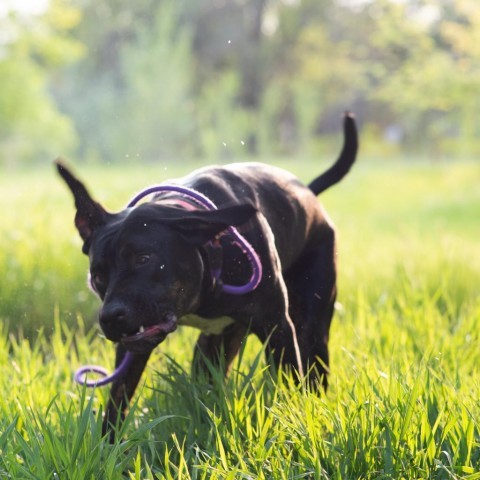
x: 219, y: 350
x: 279, y: 334
x: 278, y: 330
x: 122, y: 390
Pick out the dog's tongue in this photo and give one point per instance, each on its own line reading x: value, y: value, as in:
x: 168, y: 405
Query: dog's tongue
x: 146, y: 340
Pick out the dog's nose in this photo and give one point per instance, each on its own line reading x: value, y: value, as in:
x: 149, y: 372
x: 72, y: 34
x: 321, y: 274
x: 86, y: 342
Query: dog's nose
x: 113, y: 316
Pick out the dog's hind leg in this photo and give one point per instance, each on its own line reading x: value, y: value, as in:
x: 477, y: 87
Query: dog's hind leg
x: 312, y: 291
x: 219, y: 350
x: 122, y: 391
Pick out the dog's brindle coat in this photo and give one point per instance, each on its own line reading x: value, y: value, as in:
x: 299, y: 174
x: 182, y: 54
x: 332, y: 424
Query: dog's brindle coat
x: 150, y: 265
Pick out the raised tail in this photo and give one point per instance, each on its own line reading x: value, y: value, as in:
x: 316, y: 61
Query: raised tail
x: 346, y: 159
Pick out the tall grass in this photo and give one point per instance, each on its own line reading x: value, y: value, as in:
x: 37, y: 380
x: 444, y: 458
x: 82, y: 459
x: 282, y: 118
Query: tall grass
x: 404, y: 395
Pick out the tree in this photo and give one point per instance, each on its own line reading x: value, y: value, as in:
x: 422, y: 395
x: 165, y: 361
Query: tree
x: 426, y: 68
x: 31, y: 125
x: 131, y: 96
x: 157, y: 66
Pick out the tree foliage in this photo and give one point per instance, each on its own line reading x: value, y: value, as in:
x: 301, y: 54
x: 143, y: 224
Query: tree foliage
x: 32, y: 126
x: 151, y: 79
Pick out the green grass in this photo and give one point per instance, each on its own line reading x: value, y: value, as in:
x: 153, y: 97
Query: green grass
x: 405, y: 383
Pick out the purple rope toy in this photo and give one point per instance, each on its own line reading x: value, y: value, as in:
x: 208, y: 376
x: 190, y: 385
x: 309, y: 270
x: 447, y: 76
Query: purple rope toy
x: 239, y: 241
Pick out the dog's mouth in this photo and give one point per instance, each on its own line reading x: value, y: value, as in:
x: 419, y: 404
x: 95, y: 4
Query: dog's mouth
x: 147, y: 338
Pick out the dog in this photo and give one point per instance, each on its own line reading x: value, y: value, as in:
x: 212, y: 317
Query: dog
x: 189, y: 257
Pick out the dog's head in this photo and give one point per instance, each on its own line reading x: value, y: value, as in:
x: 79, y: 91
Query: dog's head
x: 145, y: 262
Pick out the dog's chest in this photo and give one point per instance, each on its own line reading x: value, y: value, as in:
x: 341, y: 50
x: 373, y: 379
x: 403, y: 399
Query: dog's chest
x: 213, y: 326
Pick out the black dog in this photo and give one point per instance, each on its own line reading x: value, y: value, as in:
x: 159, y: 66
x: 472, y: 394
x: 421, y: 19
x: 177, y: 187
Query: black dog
x: 154, y: 265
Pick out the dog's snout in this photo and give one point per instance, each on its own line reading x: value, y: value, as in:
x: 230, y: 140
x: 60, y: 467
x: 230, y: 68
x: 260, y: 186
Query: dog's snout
x: 114, y: 315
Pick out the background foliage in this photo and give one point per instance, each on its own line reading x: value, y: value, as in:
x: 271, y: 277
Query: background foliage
x: 115, y: 80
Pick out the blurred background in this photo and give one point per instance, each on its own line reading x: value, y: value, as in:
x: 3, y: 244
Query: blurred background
x: 116, y: 80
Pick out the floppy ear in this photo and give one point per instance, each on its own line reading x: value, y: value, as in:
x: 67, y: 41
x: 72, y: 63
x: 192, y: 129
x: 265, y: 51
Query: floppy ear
x: 198, y: 227
x: 90, y: 214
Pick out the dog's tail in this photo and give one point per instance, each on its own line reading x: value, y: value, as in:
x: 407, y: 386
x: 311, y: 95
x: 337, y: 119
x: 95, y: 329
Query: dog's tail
x: 347, y: 156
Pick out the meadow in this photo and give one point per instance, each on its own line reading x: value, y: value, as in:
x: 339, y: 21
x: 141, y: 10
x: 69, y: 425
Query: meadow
x: 404, y: 400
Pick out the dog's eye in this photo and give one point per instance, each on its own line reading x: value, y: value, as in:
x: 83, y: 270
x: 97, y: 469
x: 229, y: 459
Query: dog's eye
x: 142, y: 259
x: 98, y: 282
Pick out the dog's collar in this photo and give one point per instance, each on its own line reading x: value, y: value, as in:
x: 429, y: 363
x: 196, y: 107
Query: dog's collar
x: 216, y: 271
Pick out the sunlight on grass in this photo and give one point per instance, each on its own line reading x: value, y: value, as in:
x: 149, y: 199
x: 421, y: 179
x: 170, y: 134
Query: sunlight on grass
x: 403, y: 400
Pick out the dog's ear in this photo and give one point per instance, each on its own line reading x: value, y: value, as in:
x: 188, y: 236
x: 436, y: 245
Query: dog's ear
x: 198, y: 227
x: 90, y: 214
